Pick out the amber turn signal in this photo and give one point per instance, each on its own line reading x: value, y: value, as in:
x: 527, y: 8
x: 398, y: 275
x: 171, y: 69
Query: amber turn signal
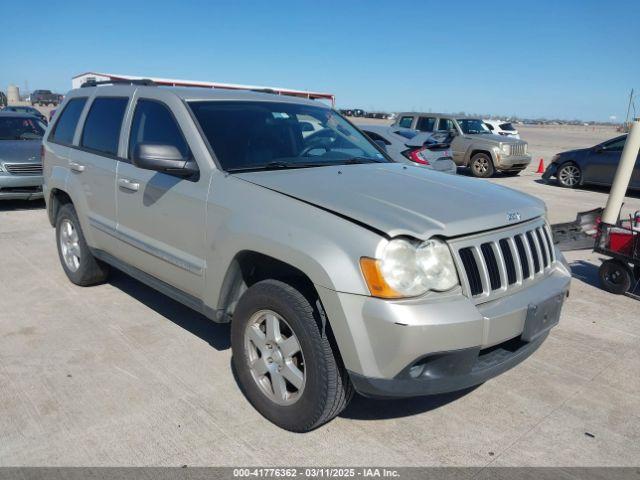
x: 375, y: 280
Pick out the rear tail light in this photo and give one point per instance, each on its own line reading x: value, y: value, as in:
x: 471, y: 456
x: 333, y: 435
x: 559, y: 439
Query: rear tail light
x: 415, y: 155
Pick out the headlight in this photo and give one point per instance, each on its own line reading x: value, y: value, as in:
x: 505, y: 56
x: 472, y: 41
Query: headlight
x: 506, y: 149
x: 555, y: 158
x: 408, y: 269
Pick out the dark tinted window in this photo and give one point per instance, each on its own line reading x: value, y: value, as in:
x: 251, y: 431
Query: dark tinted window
x: 153, y: 123
x: 615, y: 145
x: 256, y: 135
x: 446, y: 124
x: 426, y: 124
x: 507, y: 127
x: 377, y: 138
x: 67, y: 121
x: 20, y: 128
x: 405, y: 122
x: 102, y: 127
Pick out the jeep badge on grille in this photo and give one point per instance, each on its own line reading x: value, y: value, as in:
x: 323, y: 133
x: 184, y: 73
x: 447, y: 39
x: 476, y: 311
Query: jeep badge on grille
x: 513, y: 216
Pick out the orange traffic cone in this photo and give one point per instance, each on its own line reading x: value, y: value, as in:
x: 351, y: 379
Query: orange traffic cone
x: 541, y: 166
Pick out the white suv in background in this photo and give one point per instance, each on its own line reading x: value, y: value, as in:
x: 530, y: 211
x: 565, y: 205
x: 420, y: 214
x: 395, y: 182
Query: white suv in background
x: 498, y: 127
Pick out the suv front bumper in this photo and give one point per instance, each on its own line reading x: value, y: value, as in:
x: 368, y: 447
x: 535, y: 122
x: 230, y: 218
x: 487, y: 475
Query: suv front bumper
x: 513, y: 163
x: 411, y: 348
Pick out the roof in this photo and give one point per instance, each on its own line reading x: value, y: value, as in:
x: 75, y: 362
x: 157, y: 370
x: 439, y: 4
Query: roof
x: 197, y: 94
x: 217, y: 85
x: 439, y: 115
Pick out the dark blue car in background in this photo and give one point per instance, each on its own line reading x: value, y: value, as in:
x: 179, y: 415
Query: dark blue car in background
x: 595, y: 165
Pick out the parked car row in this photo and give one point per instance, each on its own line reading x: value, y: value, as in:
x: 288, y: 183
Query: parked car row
x: 473, y: 145
x: 356, y: 112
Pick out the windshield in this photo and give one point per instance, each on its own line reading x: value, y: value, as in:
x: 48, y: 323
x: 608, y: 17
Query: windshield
x: 472, y: 126
x: 16, y: 128
x: 264, y: 135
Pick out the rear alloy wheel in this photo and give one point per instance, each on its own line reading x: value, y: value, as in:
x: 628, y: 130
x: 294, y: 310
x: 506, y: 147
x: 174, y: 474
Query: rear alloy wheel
x: 615, y: 277
x: 482, y: 165
x: 81, y: 267
x: 569, y: 175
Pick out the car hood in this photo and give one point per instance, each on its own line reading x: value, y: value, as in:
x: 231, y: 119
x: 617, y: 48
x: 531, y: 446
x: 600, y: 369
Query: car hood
x: 20, y: 151
x: 571, y: 153
x: 401, y: 199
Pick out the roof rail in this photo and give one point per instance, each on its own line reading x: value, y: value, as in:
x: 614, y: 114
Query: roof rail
x: 95, y: 83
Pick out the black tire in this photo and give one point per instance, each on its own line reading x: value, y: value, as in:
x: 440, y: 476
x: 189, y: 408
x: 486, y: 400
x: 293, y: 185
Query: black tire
x: 481, y: 166
x: 89, y: 270
x: 569, y: 175
x: 615, y: 277
x: 327, y: 389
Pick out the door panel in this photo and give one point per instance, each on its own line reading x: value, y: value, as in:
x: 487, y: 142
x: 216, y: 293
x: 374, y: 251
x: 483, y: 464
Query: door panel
x: 95, y: 176
x: 161, y: 217
x: 161, y: 221
x: 601, y: 166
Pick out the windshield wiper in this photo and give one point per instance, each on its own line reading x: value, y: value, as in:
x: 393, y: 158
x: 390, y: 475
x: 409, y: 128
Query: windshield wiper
x: 275, y: 165
x: 357, y: 160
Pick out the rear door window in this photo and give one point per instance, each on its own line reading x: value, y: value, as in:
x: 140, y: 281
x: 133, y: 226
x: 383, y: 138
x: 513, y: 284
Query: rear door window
x: 615, y: 145
x: 65, y: 127
x: 426, y: 124
x: 405, y: 122
x: 153, y: 123
x: 445, y: 124
x: 102, y: 128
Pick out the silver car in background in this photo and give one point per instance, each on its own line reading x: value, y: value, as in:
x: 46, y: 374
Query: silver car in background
x: 413, y: 147
x: 20, y: 163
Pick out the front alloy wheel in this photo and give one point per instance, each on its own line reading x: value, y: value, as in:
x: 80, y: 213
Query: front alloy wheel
x: 275, y: 357
x: 284, y: 359
x: 569, y: 175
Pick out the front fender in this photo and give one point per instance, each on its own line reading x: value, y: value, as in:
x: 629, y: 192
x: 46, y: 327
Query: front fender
x: 245, y: 217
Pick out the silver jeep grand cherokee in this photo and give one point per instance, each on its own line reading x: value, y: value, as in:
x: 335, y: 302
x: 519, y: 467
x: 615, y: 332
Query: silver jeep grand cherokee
x: 338, y: 269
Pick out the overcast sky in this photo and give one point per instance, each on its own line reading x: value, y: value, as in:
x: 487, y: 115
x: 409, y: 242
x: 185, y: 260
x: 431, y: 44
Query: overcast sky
x: 563, y: 58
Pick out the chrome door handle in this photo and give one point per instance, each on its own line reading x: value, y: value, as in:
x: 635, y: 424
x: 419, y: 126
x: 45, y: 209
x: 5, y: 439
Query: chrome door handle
x: 128, y: 184
x: 76, y: 167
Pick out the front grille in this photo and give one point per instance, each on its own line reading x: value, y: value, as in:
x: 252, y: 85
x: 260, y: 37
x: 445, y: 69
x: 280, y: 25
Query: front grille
x: 502, y: 261
x: 24, y: 168
x: 518, y: 149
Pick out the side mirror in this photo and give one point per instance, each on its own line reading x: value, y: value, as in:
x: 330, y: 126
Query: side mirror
x: 598, y: 149
x: 163, y: 158
x: 381, y: 144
